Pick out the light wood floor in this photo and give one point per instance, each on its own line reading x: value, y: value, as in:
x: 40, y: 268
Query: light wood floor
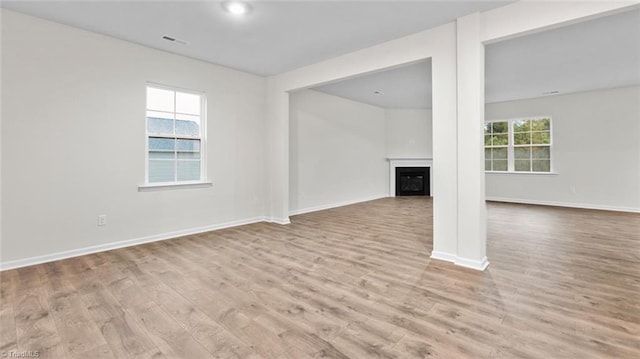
x: 352, y: 282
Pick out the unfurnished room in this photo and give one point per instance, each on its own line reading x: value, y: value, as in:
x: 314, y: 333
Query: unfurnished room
x: 320, y: 179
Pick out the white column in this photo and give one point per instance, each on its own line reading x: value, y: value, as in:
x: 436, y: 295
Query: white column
x: 277, y: 169
x: 445, y: 172
x: 472, y: 231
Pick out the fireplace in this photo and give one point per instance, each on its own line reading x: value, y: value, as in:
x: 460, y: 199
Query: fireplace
x: 412, y: 181
x: 410, y: 162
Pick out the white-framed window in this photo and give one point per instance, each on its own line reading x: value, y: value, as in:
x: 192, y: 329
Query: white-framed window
x: 518, y: 145
x: 175, y: 135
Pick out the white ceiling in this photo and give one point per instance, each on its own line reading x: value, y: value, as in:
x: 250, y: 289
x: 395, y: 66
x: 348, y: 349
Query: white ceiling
x: 280, y: 36
x: 403, y: 87
x: 597, y: 54
x: 276, y: 37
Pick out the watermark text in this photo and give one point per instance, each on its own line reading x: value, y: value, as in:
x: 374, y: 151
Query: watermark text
x: 21, y: 354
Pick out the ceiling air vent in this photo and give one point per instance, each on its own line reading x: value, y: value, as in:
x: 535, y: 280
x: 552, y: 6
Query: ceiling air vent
x: 173, y: 39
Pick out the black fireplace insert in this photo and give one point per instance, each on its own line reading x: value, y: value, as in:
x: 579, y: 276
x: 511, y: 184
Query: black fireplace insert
x: 412, y: 181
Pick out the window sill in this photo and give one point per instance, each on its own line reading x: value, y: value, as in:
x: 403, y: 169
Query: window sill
x: 171, y: 186
x: 521, y: 173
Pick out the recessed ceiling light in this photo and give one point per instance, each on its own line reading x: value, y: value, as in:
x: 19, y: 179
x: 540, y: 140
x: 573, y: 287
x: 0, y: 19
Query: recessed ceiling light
x: 378, y: 93
x: 236, y: 7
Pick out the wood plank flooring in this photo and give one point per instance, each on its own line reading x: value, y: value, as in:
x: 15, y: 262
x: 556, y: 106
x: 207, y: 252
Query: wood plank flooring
x: 351, y: 282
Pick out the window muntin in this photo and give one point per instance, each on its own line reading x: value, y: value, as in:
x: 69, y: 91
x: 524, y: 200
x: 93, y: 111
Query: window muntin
x: 525, y: 148
x: 174, y: 134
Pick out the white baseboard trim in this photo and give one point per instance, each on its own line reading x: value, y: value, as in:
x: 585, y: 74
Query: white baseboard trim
x: 463, y: 262
x: 128, y: 243
x: 472, y: 263
x: 335, y: 205
x: 282, y: 221
x: 443, y: 256
x: 565, y: 204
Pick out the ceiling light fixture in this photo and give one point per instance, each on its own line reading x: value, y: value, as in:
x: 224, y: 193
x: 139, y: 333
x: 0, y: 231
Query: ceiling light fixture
x: 236, y: 7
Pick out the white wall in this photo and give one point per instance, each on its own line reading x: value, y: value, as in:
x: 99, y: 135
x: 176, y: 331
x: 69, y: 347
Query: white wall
x: 337, y: 151
x: 338, y: 148
x: 73, y: 141
x: 408, y: 133
x: 596, y: 151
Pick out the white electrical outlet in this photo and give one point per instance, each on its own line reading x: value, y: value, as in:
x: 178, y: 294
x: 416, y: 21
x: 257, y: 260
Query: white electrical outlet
x: 102, y: 220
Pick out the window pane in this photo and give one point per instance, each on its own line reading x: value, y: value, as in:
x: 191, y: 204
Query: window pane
x: 521, y: 126
x: 543, y: 124
x: 522, y: 152
x: 160, y: 100
x: 522, y: 165
x: 174, y: 127
x: 187, y: 103
x: 188, y: 145
x: 500, y: 165
x: 541, y: 166
x: 188, y: 155
x: 541, y: 138
x: 161, y: 144
x: 530, y: 143
x: 162, y: 155
x: 161, y: 171
x: 187, y: 125
x: 541, y: 152
x: 500, y: 127
x: 500, y: 140
x: 499, y: 153
x: 159, y: 123
x: 188, y: 170
x: 522, y: 138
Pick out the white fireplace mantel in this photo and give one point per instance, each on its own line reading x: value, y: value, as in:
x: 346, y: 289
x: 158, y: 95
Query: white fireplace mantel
x: 408, y: 162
